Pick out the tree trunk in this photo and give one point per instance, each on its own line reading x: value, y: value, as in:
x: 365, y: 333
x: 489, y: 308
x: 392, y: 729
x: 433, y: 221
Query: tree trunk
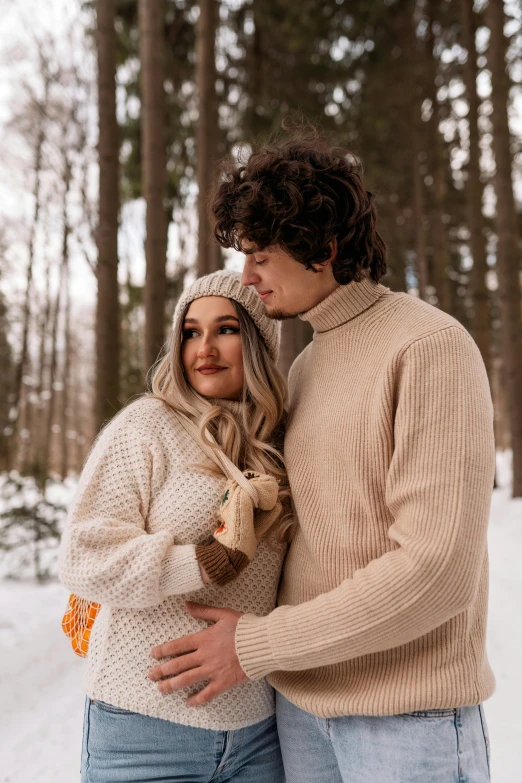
x: 66, y: 393
x: 152, y: 56
x: 6, y: 368
x: 16, y: 393
x: 439, y: 232
x: 295, y: 336
x: 77, y: 406
x: 421, y: 261
x: 38, y: 434
x: 508, y: 258
x: 209, y: 253
x: 47, y: 445
x: 107, y: 309
x: 481, y: 318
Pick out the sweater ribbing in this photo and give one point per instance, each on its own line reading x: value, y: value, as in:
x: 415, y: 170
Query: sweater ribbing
x: 390, y: 456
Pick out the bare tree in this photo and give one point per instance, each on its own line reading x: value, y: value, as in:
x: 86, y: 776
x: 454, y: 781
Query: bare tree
x: 37, y: 110
x: 152, y: 56
x: 6, y: 368
x: 421, y: 261
x: 438, y: 163
x: 209, y: 253
x: 480, y: 294
x: 508, y: 252
x: 53, y: 363
x: 107, y: 310
x: 66, y: 375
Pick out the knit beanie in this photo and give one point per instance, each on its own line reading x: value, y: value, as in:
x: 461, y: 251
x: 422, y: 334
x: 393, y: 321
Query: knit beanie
x: 228, y: 284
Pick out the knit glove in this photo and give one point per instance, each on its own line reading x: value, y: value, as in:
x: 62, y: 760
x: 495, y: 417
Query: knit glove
x: 234, y: 543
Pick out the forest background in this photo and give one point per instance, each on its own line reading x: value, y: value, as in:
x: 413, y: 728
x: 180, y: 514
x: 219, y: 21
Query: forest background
x: 114, y: 116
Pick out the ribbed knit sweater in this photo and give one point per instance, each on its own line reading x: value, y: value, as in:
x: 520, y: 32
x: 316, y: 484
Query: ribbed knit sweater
x: 129, y: 544
x: 390, y: 455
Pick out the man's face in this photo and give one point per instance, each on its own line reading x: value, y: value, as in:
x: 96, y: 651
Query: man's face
x: 284, y: 285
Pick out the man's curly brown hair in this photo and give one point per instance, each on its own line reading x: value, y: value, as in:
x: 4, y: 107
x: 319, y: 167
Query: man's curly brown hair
x: 301, y: 193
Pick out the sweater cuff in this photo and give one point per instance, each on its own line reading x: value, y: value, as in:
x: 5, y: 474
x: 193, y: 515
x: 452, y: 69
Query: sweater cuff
x: 253, y: 647
x: 180, y: 571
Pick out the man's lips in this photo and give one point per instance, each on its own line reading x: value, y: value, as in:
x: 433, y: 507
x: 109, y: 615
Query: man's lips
x: 210, y: 369
x: 264, y: 294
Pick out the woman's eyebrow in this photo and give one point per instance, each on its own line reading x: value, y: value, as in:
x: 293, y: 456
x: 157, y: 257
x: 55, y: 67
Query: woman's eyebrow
x: 221, y: 318
x: 218, y: 320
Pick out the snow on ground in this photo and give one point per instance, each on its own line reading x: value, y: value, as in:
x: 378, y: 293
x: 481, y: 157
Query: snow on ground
x: 40, y: 677
x: 40, y: 688
x: 504, y: 645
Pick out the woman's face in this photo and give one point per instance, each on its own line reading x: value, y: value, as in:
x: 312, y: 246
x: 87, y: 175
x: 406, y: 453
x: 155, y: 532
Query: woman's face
x: 211, y: 351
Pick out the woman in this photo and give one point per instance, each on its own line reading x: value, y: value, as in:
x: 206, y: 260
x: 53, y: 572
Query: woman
x: 137, y: 542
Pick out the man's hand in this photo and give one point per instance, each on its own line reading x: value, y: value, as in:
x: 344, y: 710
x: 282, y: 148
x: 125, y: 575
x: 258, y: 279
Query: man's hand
x: 207, y: 655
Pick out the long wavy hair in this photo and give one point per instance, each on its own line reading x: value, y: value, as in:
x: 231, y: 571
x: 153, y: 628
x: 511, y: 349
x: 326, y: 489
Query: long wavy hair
x: 253, y: 440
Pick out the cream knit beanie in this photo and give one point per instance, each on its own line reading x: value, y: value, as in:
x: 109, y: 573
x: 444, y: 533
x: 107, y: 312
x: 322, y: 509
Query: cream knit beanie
x: 228, y: 284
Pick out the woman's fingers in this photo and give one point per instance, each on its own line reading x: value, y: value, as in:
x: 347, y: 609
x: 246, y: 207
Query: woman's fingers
x: 175, y: 666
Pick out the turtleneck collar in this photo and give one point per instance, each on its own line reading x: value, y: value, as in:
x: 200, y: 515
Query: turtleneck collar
x: 233, y: 406
x: 345, y: 303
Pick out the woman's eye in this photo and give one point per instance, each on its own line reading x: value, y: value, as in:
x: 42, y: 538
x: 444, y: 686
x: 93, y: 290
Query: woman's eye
x: 229, y: 330
x: 188, y: 333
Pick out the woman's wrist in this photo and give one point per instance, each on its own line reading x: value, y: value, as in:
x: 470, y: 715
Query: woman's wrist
x: 204, y: 576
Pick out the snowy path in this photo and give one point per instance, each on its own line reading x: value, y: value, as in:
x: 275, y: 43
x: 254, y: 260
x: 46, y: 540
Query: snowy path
x: 40, y: 687
x: 40, y: 678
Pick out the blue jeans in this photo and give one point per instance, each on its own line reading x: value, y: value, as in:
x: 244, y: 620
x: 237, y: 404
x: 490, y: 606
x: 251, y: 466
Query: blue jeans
x: 125, y: 747
x: 436, y: 746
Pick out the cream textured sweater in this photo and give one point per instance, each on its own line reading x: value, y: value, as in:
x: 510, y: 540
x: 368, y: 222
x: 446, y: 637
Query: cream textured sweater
x: 129, y: 544
x: 390, y: 455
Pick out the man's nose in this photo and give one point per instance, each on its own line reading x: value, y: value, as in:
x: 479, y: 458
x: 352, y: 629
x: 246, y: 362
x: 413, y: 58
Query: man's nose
x: 249, y: 275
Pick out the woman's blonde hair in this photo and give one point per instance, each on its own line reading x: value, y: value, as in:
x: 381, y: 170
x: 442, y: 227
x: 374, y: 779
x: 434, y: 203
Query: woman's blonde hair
x: 252, y: 441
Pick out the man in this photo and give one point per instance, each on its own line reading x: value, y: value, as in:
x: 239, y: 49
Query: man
x: 377, y: 647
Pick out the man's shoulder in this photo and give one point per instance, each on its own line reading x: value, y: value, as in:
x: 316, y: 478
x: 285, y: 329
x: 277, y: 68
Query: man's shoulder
x: 298, y: 363
x: 407, y: 319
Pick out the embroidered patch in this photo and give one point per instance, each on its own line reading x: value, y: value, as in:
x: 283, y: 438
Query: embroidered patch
x: 225, y: 497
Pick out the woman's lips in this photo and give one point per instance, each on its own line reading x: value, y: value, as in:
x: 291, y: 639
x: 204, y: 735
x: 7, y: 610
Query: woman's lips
x: 210, y: 370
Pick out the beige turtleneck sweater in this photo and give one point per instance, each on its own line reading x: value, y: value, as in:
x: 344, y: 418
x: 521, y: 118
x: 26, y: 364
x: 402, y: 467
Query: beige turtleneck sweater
x: 390, y: 455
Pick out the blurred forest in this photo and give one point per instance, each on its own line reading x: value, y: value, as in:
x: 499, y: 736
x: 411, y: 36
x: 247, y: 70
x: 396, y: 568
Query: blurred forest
x: 123, y: 122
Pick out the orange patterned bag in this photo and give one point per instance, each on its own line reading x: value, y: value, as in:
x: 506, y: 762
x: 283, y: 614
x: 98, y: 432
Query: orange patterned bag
x: 77, y: 622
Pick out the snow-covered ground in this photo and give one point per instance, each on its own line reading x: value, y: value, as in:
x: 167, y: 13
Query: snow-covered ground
x: 40, y: 678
